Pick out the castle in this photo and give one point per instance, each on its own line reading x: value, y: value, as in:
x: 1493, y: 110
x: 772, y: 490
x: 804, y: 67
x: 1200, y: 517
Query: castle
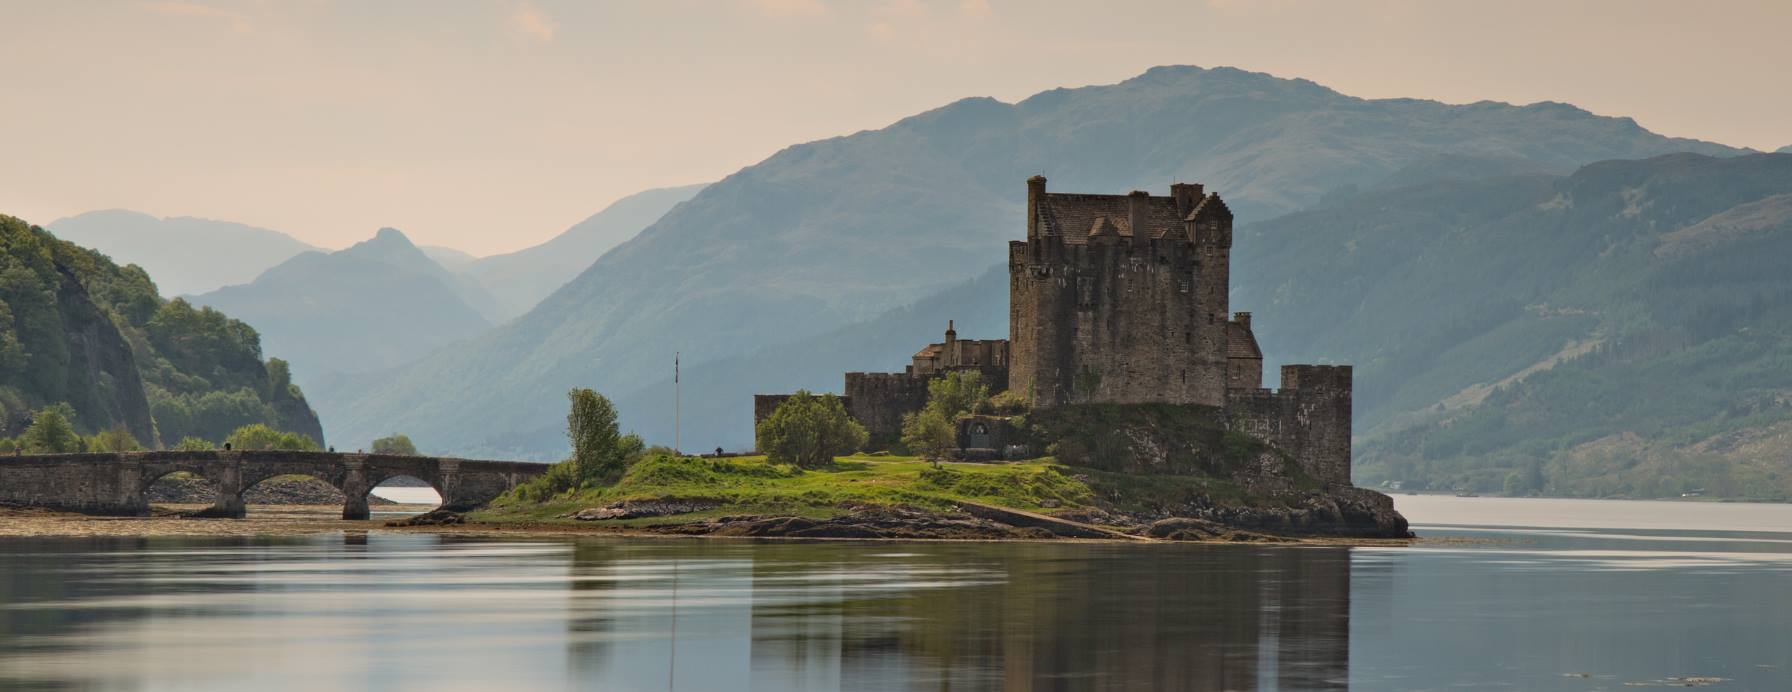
x: 1123, y: 299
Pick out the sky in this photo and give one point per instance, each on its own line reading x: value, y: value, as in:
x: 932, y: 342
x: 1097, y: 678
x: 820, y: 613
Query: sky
x: 492, y: 125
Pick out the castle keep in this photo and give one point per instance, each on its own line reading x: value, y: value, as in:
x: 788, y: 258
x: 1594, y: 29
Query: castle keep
x: 1123, y: 299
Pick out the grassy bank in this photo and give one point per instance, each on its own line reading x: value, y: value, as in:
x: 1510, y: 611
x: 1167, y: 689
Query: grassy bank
x: 751, y: 485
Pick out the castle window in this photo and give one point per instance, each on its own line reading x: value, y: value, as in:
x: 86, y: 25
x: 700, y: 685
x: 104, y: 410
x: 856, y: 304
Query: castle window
x: 1210, y: 318
x: 1188, y: 337
x: 1184, y: 285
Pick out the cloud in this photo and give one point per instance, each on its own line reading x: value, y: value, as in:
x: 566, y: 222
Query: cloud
x: 530, y: 21
x: 236, y: 20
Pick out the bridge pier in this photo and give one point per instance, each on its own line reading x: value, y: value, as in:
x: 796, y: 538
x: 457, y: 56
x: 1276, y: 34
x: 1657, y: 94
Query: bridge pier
x: 354, y: 490
x: 228, y: 484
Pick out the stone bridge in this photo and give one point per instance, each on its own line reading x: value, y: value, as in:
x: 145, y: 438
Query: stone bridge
x: 114, y: 483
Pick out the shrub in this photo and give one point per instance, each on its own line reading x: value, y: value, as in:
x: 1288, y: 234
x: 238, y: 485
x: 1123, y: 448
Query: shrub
x: 51, y: 432
x: 258, y: 436
x: 395, y: 444
x: 115, y: 439
x: 928, y: 433
x: 809, y: 431
x: 193, y: 444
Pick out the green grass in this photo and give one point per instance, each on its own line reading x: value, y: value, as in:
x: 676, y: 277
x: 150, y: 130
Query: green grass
x: 752, y: 485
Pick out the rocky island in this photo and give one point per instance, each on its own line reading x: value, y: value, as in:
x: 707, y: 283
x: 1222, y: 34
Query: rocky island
x: 1128, y: 401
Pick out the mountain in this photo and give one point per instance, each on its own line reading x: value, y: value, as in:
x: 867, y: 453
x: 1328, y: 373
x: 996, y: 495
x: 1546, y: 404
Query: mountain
x: 186, y: 255
x: 374, y: 305
x: 77, y: 328
x: 451, y: 259
x: 1785, y: 149
x: 835, y: 231
x: 1622, y: 330
x: 521, y: 279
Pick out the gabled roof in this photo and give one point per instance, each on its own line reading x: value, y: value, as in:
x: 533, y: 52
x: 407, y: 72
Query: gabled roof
x: 1240, y: 342
x: 1075, y: 216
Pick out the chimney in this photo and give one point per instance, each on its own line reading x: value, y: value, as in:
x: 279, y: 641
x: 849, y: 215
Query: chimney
x: 1035, y: 197
x: 1136, y: 206
x: 1242, y: 318
x: 951, y: 334
x: 1188, y: 196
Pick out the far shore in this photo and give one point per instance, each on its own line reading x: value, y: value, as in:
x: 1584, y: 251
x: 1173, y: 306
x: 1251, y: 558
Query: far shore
x: 305, y: 520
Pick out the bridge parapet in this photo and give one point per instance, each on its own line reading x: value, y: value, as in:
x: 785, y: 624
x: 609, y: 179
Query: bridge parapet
x: 115, y: 483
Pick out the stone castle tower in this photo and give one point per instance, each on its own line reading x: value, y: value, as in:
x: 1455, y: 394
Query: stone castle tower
x: 1122, y: 299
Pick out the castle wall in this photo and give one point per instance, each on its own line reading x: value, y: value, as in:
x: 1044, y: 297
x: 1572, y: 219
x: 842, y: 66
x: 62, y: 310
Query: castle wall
x: 1120, y: 321
x: 1309, y: 418
x: 1244, y: 373
x: 877, y: 401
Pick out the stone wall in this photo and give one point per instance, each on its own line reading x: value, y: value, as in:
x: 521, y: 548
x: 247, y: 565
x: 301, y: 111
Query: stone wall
x: 1309, y: 418
x: 878, y: 400
x: 1134, y: 315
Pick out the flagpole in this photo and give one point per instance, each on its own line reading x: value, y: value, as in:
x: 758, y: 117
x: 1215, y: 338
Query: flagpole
x: 677, y: 404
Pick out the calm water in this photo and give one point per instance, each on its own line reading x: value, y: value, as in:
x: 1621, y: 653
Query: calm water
x: 1542, y: 595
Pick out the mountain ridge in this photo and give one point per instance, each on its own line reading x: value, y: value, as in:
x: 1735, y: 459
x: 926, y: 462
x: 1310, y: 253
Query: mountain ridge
x: 825, y: 233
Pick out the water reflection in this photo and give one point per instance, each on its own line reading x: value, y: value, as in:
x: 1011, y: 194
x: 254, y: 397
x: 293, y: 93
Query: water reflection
x: 426, y: 612
x: 1519, y: 608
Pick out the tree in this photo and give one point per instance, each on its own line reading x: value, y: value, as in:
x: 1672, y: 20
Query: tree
x: 809, y: 431
x: 193, y: 444
x: 600, y: 452
x: 51, y: 432
x: 395, y: 444
x: 114, y: 439
x: 258, y: 436
x: 928, y: 433
x: 956, y: 394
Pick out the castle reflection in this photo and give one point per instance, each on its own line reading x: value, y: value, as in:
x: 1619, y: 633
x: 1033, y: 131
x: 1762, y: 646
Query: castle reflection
x: 706, y: 615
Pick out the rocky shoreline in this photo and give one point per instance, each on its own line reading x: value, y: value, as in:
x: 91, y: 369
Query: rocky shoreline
x: 1337, y: 513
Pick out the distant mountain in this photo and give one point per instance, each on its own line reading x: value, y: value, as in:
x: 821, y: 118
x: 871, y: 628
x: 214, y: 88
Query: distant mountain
x: 184, y: 254
x: 77, y: 328
x: 451, y: 259
x: 827, y: 233
x: 1623, y: 330
x: 521, y: 279
x: 1785, y: 149
x: 375, y: 305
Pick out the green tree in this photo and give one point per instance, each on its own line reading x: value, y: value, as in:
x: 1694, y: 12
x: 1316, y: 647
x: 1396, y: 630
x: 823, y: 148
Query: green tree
x: 193, y: 444
x: 809, y: 431
x: 928, y: 433
x: 114, y: 439
x: 51, y: 432
x: 956, y: 394
x: 1514, y: 484
x: 600, y: 452
x: 395, y: 444
x: 258, y: 436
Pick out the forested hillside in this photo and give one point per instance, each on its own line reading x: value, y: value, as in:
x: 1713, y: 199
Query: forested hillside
x: 77, y: 328
x: 832, y: 232
x: 1624, y: 330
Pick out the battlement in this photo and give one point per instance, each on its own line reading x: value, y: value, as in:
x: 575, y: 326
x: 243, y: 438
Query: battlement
x: 1309, y: 418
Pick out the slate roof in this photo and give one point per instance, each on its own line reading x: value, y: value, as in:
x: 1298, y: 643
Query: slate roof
x: 1241, y: 343
x: 1078, y: 217
x: 1074, y: 216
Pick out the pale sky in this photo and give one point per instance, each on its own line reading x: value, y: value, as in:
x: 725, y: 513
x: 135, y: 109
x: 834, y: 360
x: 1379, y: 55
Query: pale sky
x: 493, y: 125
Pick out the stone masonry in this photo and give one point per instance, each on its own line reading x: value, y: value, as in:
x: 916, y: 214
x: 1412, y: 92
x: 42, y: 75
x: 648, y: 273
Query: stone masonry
x: 1123, y: 299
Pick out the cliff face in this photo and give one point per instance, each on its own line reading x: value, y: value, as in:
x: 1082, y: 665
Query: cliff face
x: 77, y: 328
x: 102, y: 380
